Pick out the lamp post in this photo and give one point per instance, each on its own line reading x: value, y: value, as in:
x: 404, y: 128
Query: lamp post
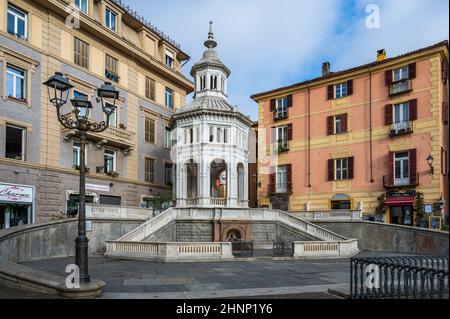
x: 78, y: 119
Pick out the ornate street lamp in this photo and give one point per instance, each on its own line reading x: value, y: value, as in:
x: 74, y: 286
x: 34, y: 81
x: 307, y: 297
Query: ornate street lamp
x: 78, y: 119
x: 430, y: 161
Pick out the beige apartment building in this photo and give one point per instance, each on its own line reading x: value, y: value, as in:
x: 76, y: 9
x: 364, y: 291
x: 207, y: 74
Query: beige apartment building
x: 90, y: 42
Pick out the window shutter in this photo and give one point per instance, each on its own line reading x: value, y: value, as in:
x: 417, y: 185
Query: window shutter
x: 388, y: 116
x: 273, y: 134
x: 273, y: 105
x: 445, y: 113
x: 413, y: 110
x: 413, y: 166
x: 272, y: 182
x: 331, y: 170
x: 330, y: 92
x: 412, y: 71
x: 391, y: 168
x: 351, y: 167
x: 388, y: 77
x: 350, y: 87
x: 289, y: 132
x: 330, y: 125
x: 289, y: 177
x: 344, y: 121
x: 289, y: 101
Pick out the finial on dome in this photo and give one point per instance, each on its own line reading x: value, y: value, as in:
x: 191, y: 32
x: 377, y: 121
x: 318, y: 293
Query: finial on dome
x: 210, y: 43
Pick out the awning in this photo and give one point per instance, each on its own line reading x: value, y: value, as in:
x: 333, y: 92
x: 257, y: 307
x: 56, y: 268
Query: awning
x: 399, y: 201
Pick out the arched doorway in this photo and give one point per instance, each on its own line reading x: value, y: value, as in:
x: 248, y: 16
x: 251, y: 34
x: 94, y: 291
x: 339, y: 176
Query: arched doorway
x: 233, y: 235
x: 191, y: 168
x: 241, y: 182
x: 219, y: 181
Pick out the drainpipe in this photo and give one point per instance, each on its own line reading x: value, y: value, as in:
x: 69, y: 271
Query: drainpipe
x: 371, y: 128
x: 309, y: 136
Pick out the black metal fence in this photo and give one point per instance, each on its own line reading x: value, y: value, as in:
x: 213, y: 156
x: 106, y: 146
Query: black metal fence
x: 283, y: 248
x: 409, y: 277
x: 242, y: 248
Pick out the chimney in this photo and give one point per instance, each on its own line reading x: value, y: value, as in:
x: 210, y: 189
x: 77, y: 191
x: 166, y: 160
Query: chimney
x: 381, y: 55
x: 326, y: 69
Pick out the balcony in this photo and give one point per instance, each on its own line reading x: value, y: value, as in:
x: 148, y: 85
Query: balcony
x: 400, y: 87
x: 283, y: 146
x: 278, y: 116
x: 113, y: 136
x: 389, y: 182
x: 280, y: 189
x: 403, y: 128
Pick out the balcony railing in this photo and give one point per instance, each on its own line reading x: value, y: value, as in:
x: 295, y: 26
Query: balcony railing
x: 218, y: 201
x: 390, y: 182
x: 283, y: 146
x: 118, y: 137
x: 402, y: 128
x: 280, y: 116
x: 280, y: 188
x: 400, y: 87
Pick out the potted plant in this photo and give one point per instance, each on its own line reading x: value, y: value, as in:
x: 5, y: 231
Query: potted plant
x: 160, y: 201
x: 420, y: 210
x: 112, y: 174
x: 380, y: 210
x: 77, y: 167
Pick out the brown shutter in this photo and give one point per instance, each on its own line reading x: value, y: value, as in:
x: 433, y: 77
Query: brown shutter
x: 412, y: 71
x: 272, y: 181
x: 289, y: 132
x: 289, y: 101
x: 351, y: 167
x: 388, y: 116
x: 330, y: 125
x: 273, y: 105
x: 413, y: 110
x: 289, y: 177
x: 331, y: 170
x: 344, y: 121
x: 445, y: 113
x: 413, y: 166
x: 388, y: 77
x: 273, y: 134
x: 350, y: 87
x: 391, y: 168
x: 330, y: 92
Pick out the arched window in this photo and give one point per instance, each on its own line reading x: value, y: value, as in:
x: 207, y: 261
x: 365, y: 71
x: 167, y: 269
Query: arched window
x: 219, y: 135
x: 213, y: 82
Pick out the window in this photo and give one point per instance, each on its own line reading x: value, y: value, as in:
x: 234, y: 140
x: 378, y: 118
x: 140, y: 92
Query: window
x: 169, y: 98
x: 149, y: 131
x: 81, y: 53
x: 15, y: 83
x: 281, y: 179
x: 150, y: 88
x: 82, y: 5
x: 282, y: 137
x: 400, y: 74
x: 337, y: 125
x: 213, y: 82
x: 341, y: 169
x: 168, y: 138
x: 111, y: 68
x: 76, y: 154
x: 202, y: 83
x: 211, y: 134
x: 149, y: 170
x: 401, y: 168
x: 444, y: 162
x: 282, y: 110
x: 189, y: 135
x: 113, y: 117
x: 17, y: 22
x: 110, y: 161
x: 169, y: 59
x: 341, y: 204
x: 15, y: 142
x: 111, y: 20
x: 341, y: 90
x: 83, y: 110
x: 401, y: 117
x: 168, y: 174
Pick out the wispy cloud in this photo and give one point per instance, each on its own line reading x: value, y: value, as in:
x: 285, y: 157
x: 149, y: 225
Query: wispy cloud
x: 271, y: 43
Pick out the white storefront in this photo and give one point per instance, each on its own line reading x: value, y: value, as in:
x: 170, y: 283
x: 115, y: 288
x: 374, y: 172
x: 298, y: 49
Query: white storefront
x: 211, y: 148
x: 17, y: 204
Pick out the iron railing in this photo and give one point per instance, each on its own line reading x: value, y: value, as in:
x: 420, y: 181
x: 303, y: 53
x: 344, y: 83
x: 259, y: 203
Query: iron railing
x: 402, y: 128
x: 400, y: 87
x: 242, y: 248
x: 390, y: 182
x: 283, y: 248
x: 408, y: 277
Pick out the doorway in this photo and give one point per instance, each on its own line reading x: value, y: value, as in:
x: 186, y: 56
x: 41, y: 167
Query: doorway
x: 402, y: 215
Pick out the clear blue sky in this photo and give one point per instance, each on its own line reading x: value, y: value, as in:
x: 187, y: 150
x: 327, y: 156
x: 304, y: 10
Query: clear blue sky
x: 272, y: 43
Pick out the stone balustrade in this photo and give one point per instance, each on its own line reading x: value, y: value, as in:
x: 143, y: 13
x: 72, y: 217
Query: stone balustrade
x: 169, y: 252
x: 326, y: 249
x: 116, y: 212
x: 331, y: 215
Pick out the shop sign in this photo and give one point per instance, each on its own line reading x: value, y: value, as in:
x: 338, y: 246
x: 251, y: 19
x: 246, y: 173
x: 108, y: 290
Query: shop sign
x: 16, y: 193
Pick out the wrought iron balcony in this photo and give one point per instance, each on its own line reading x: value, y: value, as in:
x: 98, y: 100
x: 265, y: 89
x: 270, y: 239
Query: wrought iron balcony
x: 283, y: 146
x: 390, y: 182
x: 280, y: 116
x: 280, y: 188
x: 400, y: 87
x: 402, y: 128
